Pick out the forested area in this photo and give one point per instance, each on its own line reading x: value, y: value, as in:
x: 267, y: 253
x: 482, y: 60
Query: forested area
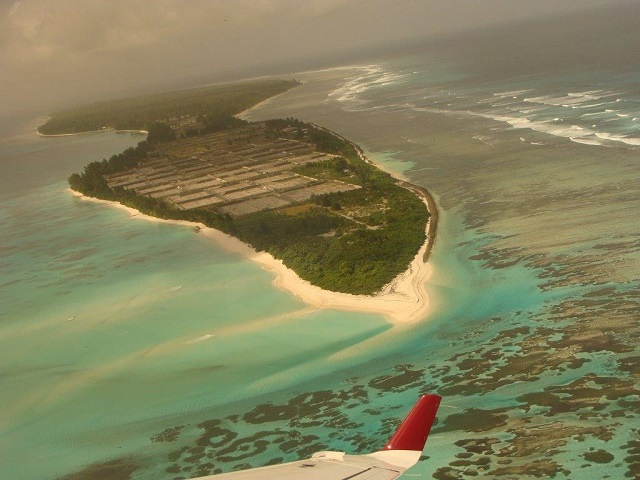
x: 214, y: 106
x: 357, y: 253
x: 362, y: 257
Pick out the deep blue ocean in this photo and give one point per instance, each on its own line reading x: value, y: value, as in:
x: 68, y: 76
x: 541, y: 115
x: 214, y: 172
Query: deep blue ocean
x: 145, y: 351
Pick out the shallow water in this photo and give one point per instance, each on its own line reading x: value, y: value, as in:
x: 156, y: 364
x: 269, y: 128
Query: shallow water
x: 147, y: 349
x: 536, y: 270
x: 110, y: 322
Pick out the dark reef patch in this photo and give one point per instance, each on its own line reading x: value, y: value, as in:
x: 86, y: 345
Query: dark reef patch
x: 474, y: 420
x: 599, y: 456
x: 168, y: 435
x: 118, y: 469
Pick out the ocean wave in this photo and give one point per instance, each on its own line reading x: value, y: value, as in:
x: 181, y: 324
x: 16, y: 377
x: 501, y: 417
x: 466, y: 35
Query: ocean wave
x: 542, y: 126
x: 585, y: 141
x: 574, y: 99
x: 526, y: 111
x: 354, y: 84
x: 575, y: 133
x: 590, y: 105
x: 373, y: 76
x: 502, y: 104
x: 512, y: 93
x: 484, y: 139
x: 618, y: 138
x: 594, y: 114
x: 583, y: 94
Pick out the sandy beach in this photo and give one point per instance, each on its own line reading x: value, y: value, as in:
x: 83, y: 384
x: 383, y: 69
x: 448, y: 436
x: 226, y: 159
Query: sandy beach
x: 90, y: 131
x: 402, y: 301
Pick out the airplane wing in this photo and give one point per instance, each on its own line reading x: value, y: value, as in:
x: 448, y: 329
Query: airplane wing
x: 401, y: 452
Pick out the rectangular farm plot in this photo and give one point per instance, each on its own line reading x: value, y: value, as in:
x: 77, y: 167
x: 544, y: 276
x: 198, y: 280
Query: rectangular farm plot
x: 157, y: 188
x: 244, y: 175
x: 203, y: 202
x: 166, y: 193
x: 248, y: 192
x: 206, y: 182
x: 254, y: 205
x: 289, y: 183
x: 305, y: 193
x: 180, y: 199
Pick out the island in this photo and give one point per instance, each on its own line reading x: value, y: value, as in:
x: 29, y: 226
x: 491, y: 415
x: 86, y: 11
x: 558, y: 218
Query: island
x: 305, y: 196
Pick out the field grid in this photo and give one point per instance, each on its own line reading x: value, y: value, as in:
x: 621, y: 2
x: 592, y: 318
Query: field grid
x: 226, y: 172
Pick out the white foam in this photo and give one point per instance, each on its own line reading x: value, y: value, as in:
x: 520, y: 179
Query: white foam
x: 528, y: 110
x: 575, y: 133
x: 618, y: 138
x: 371, y: 76
x: 513, y: 93
x: 573, y: 99
x: 484, y: 139
x: 590, y: 105
x: 585, y: 141
x: 566, y: 102
x: 587, y: 94
x: 201, y: 339
x: 594, y: 114
x: 502, y: 104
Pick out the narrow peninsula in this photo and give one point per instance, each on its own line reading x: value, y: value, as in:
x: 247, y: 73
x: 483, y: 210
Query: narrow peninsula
x: 300, y: 193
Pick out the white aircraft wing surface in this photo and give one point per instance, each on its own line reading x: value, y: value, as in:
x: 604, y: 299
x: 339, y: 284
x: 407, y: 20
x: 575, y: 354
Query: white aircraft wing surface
x: 401, y: 452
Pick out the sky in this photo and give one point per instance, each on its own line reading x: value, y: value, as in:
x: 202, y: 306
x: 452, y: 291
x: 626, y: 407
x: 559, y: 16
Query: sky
x: 58, y: 53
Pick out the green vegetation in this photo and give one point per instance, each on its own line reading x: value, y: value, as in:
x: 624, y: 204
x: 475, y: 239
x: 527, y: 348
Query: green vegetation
x: 354, y: 242
x: 188, y: 111
x: 160, y: 132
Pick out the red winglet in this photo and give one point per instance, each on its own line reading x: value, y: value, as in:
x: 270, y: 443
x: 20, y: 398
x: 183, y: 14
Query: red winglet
x: 413, y: 432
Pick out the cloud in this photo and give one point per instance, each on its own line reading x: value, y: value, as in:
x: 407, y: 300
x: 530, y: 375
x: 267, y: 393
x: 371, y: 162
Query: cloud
x: 41, y: 28
x: 72, y: 50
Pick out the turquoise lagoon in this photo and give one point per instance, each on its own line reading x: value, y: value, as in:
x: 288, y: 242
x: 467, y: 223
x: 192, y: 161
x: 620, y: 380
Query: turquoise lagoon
x: 143, y: 350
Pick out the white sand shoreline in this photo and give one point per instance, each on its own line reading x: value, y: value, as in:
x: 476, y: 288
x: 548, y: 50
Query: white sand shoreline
x: 404, y: 300
x: 89, y: 131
